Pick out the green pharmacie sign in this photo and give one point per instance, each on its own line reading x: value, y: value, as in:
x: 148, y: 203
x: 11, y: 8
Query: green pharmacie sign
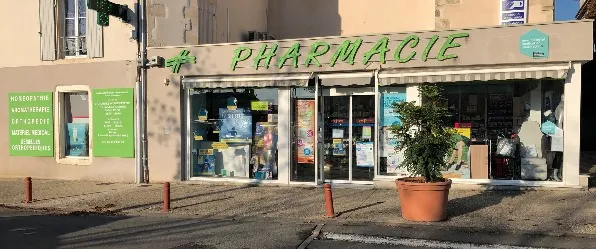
x: 347, y: 52
x: 113, y: 122
x: 31, y: 126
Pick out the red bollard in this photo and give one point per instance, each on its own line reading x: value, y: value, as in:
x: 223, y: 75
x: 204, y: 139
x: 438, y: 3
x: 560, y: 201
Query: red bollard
x: 166, y: 197
x: 330, y: 213
x: 28, y: 190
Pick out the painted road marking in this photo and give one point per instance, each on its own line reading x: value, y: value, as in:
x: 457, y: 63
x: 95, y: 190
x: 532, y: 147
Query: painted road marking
x: 415, y: 242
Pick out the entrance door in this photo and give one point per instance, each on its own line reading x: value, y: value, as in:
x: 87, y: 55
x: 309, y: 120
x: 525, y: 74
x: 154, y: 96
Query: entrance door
x: 348, y: 137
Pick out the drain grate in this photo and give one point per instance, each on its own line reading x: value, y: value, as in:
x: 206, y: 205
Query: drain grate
x: 194, y: 245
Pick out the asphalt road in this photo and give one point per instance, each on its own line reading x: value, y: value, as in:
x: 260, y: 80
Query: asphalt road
x: 25, y: 229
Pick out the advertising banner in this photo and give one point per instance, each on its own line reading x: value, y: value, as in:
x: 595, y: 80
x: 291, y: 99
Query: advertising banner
x: 458, y: 160
x: 389, y: 116
x: 305, y: 139
x: 265, y: 151
x: 235, y: 125
x: 113, y: 122
x: 31, y: 126
x: 387, y: 139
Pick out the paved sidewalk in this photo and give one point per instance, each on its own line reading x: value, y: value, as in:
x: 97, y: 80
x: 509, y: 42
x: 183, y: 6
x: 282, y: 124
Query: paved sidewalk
x: 552, y: 212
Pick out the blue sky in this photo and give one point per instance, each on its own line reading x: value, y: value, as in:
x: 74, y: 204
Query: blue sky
x: 566, y: 9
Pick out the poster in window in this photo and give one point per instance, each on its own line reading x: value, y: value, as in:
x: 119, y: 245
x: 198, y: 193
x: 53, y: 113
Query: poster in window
x: 235, y: 125
x: 305, y: 137
x: 78, y: 139
x: 337, y: 133
x: 338, y: 147
x: 390, y: 117
x: 205, y: 165
x: 264, y: 158
x: 365, y: 156
x: 458, y: 159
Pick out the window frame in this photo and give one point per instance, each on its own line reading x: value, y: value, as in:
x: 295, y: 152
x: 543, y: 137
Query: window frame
x: 59, y: 124
x: 62, y: 31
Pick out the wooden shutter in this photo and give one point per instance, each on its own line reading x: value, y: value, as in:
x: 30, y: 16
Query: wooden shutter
x: 94, y: 35
x: 47, y: 32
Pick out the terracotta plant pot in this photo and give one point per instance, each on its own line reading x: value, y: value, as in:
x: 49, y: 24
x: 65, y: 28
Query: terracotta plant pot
x: 423, y: 201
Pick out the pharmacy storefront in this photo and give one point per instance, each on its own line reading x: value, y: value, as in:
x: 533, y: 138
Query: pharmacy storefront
x: 319, y: 110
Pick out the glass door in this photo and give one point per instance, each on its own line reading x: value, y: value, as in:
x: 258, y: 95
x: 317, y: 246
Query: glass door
x: 336, y: 125
x: 363, y: 127
x: 348, y: 140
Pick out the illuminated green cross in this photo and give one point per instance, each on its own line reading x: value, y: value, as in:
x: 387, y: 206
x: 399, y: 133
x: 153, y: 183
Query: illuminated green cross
x: 178, y: 60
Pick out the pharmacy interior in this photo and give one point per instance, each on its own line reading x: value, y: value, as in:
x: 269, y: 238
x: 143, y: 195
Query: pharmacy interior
x: 269, y: 111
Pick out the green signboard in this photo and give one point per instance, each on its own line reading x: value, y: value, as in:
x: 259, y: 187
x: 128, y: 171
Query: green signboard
x: 534, y: 44
x: 113, y: 122
x: 31, y: 126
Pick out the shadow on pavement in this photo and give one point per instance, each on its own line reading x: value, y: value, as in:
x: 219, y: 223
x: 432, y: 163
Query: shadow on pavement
x: 44, y: 231
x: 484, y: 199
x: 147, y: 205
x: 359, y: 208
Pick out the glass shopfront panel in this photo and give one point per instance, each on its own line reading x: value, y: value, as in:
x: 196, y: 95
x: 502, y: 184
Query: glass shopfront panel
x: 506, y: 130
x: 389, y: 156
x: 303, y: 135
x: 234, y: 133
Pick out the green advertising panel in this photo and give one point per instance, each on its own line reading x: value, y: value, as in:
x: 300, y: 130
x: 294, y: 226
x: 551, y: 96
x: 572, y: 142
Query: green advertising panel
x: 113, y: 122
x: 31, y: 126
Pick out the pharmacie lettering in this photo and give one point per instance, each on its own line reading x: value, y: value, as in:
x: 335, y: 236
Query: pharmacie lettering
x: 348, y: 51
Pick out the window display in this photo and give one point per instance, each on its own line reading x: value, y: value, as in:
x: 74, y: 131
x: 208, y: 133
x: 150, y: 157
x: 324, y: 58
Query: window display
x: 76, y: 121
x: 514, y: 123
x: 234, y: 133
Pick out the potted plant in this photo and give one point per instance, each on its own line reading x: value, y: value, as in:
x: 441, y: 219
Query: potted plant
x: 425, y: 140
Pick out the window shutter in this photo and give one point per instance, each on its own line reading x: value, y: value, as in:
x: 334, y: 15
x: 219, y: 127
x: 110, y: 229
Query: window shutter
x: 94, y: 35
x: 47, y: 30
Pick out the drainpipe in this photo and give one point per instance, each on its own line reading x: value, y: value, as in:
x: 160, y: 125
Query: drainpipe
x: 141, y: 132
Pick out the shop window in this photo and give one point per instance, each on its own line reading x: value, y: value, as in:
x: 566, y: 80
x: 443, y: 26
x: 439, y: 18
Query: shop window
x: 507, y: 130
x: 73, y: 125
x: 303, y: 135
x: 389, y: 156
x: 234, y: 133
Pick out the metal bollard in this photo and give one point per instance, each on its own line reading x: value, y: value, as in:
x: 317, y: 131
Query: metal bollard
x: 166, y: 197
x: 330, y: 213
x: 28, y: 190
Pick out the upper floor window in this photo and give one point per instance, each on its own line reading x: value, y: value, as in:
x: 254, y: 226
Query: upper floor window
x: 69, y: 30
x: 75, y: 28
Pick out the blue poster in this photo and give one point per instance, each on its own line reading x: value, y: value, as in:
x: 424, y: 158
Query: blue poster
x: 235, y: 125
x: 389, y: 116
x: 205, y: 165
x: 77, y: 139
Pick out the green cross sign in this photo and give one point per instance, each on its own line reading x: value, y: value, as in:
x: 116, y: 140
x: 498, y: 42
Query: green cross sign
x: 179, y: 60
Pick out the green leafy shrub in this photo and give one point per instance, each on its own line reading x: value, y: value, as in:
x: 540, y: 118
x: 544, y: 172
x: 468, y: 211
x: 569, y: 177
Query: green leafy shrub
x: 423, y: 134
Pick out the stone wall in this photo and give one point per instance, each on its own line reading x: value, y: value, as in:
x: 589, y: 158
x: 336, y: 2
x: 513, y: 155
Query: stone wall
x: 172, y: 22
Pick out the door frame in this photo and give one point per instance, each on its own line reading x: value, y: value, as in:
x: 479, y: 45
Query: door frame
x: 320, y: 158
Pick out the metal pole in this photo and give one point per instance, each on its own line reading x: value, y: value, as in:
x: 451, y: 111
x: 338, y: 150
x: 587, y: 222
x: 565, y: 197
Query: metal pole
x: 143, y: 91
